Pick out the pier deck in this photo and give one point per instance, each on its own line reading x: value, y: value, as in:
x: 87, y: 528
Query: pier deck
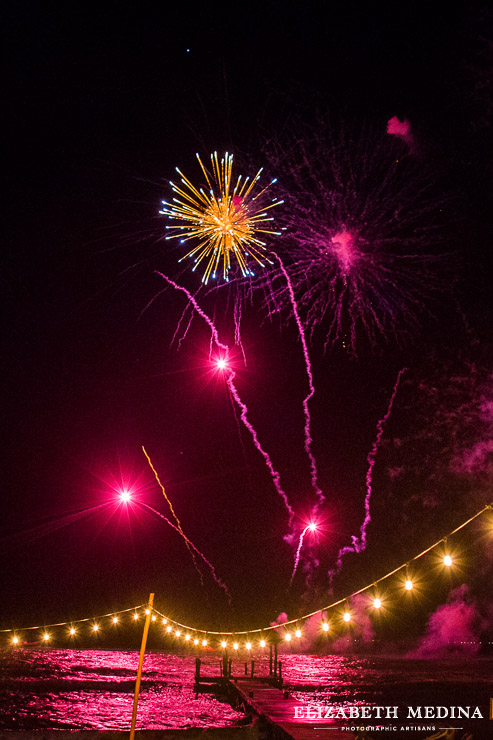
x: 269, y: 702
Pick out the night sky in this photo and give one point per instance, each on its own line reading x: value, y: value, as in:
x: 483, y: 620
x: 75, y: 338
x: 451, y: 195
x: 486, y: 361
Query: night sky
x: 100, y: 106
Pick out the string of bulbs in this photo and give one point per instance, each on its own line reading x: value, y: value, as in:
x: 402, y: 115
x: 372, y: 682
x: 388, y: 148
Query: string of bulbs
x: 286, y: 631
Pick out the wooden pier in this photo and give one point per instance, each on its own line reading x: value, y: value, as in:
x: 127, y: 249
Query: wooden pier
x: 267, y: 699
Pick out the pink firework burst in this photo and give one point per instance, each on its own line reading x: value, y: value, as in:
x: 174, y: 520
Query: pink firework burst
x: 365, y: 235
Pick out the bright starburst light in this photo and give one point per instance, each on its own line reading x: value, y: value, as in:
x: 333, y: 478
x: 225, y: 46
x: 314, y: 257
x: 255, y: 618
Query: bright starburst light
x: 224, y: 222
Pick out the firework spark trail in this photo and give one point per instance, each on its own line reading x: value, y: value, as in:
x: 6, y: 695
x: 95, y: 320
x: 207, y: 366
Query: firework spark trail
x: 232, y: 388
x: 311, y: 392
x: 298, y: 553
x: 359, y: 543
x: 190, y: 544
x: 178, y: 527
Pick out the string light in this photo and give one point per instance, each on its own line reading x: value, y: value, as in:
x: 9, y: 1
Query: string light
x: 224, y: 644
x: 377, y: 603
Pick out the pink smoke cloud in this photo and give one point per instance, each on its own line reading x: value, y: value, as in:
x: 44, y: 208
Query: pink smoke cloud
x: 455, y: 627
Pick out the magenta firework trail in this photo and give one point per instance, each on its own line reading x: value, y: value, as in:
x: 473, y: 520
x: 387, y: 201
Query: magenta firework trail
x: 312, y: 527
x: 234, y: 392
x: 363, y: 234
x: 359, y: 543
x: 311, y: 393
x: 190, y: 544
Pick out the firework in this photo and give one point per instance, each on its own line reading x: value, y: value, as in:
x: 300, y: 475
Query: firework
x: 178, y: 524
x: 191, y: 547
x: 363, y: 235
x: 230, y: 378
x: 312, y: 527
x: 226, y: 222
x: 359, y: 543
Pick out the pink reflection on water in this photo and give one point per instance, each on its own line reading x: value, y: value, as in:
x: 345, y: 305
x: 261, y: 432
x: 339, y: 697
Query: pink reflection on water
x: 93, y: 689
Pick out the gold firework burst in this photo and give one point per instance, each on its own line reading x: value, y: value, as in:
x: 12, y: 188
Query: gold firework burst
x: 226, y: 221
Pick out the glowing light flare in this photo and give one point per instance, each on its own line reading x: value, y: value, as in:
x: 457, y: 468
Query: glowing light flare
x: 225, y: 222
x: 222, y: 364
x: 15, y: 640
x: 195, y: 642
x: 248, y: 645
x: 447, y: 560
x: 235, y: 646
x: 148, y: 611
x: 347, y: 617
x: 135, y: 617
x: 298, y: 633
x: 409, y: 585
x: 262, y: 643
x: 224, y: 644
x: 204, y: 643
x: 287, y: 636
x: 165, y: 621
x: 169, y: 629
x: 72, y: 631
x: 187, y: 638
x: 125, y: 496
x: 177, y: 633
x: 46, y: 637
x: 325, y: 626
x: 95, y: 627
x: 115, y: 620
x: 377, y: 603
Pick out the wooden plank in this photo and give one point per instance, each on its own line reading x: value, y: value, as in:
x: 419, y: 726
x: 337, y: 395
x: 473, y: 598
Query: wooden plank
x: 277, y: 707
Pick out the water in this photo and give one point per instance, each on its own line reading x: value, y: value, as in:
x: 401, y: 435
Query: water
x: 93, y: 689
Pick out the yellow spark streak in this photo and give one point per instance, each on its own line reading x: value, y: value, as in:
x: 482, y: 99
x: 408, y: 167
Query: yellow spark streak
x: 178, y: 524
x: 225, y: 223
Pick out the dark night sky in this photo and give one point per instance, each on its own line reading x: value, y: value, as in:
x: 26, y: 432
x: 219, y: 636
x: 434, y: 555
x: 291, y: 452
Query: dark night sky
x: 100, y: 106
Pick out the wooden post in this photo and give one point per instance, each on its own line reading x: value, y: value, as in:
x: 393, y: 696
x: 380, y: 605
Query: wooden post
x: 229, y: 667
x: 270, y: 659
x: 197, y: 670
x: 275, y: 659
x: 141, y: 662
x: 280, y: 672
x: 246, y: 668
x: 253, y: 668
x: 225, y: 664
